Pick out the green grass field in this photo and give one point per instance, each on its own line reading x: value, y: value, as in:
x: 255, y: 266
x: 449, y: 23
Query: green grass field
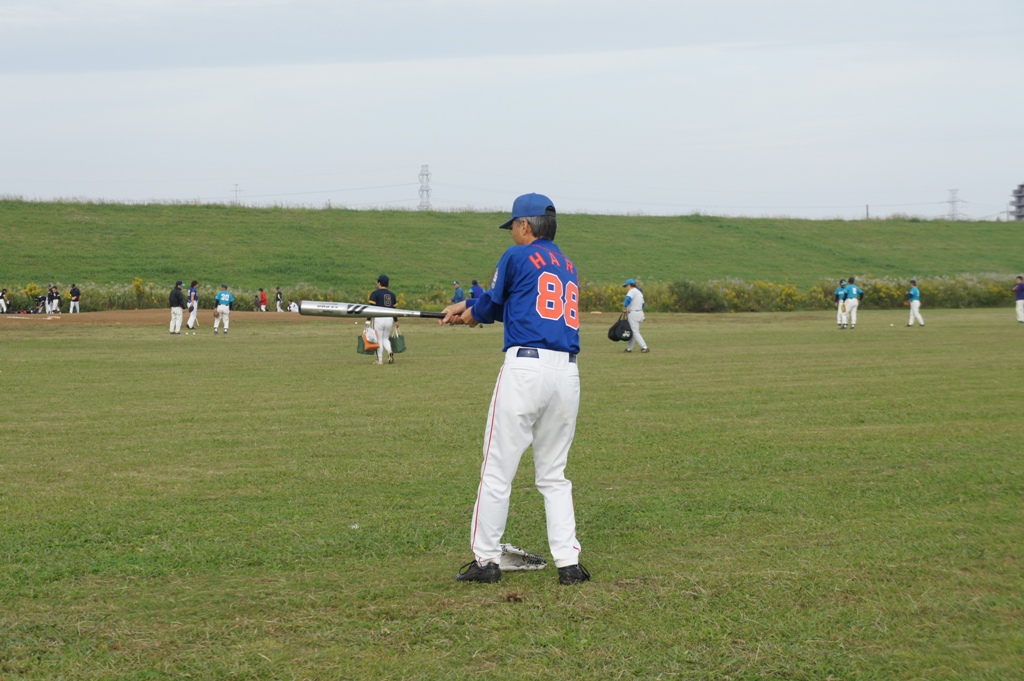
x: 424, y: 251
x: 760, y: 497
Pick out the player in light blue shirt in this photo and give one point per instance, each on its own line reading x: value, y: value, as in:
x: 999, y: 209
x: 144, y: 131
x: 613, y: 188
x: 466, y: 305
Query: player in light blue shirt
x: 840, y: 294
x: 914, y: 299
x: 224, y: 300
x: 854, y: 294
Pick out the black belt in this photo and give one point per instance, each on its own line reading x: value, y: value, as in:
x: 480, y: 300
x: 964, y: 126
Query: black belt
x: 535, y: 354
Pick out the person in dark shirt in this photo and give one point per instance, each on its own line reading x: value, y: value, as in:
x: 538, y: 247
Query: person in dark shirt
x: 76, y: 297
x: 383, y: 297
x: 177, y: 302
x: 53, y: 300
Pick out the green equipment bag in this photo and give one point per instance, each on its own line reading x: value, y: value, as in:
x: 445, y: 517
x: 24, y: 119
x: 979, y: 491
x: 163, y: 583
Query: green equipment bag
x: 397, y: 340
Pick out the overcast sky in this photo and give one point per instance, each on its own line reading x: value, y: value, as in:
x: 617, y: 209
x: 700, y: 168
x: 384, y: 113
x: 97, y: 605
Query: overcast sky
x: 806, y: 108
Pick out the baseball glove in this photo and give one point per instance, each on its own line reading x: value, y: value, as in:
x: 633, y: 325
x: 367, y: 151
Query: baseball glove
x: 216, y: 313
x: 842, y: 308
x: 514, y: 558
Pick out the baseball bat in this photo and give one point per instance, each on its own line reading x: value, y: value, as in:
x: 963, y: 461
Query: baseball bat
x: 321, y: 308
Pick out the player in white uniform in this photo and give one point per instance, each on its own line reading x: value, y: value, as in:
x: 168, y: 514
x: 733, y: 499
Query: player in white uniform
x: 535, y: 294
x: 840, y: 296
x: 177, y: 302
x: 914, y: 298
x: 193, y: 305
x: 382, y: 325
x: 854, y: 294
x: 224, y: 300
x: 633, y: 306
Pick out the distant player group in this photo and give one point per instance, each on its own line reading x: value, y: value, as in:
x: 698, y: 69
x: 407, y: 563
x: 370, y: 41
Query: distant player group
x: 181, y: 301
x: 848, y: 296
x: 49, y: 302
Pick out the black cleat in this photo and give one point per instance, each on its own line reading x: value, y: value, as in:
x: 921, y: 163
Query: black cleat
x: 573, y: 574
x: 391, y: 358
x: 472, y: 572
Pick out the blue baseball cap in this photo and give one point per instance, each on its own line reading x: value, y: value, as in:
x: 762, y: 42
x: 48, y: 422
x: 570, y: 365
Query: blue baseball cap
x: 628, y: 282
x: 528, y: 206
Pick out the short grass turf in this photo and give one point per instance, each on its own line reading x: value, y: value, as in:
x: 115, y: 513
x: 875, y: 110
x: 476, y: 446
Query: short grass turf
x: 762, y: 496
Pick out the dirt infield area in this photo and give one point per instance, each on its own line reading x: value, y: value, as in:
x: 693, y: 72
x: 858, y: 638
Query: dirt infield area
x: 148, y: 318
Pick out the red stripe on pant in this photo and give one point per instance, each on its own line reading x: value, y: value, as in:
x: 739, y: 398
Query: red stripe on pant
x: 487, y: 453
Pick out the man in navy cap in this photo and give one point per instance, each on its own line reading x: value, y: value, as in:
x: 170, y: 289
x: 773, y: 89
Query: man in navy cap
x: 382, y: 326
x: 177, y: 302
x: 535, y: 294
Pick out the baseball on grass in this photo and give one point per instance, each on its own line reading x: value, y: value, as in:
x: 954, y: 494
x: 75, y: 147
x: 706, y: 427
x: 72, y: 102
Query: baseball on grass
x: 890, y: 325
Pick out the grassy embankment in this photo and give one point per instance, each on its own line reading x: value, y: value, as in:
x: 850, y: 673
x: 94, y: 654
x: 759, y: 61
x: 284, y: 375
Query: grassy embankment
x: 340, y: 252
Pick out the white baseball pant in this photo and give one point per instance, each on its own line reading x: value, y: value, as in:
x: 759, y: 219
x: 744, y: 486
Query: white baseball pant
x: 841, y: 313
x: 224, y: 312
x: 915, y: 313
x: 635, y: 319
x: 1020, y: 311
x: 75, y: 307
x: 851, y: 310
x: 193, y: 313
x: 382, y: 327
x: 535, y: 402
x: 175, y: 320
x: 3, y: 306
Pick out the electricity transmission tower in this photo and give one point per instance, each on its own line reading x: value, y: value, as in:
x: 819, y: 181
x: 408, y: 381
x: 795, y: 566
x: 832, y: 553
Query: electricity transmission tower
x: 954, y: 214
x: 424, y: 188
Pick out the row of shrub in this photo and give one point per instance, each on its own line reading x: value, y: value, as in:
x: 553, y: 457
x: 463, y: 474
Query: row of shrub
x: 727, y: 295
x: 735, y: 295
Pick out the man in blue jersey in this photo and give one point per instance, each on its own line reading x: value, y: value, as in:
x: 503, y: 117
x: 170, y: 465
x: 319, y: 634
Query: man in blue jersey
x: 535, y: 294
x: 223, y: 300
x: 914, y: 299
x: 475, y: 291
x: 854, y: 294
x: 1018, y: 292
x: 459, y: 294
x: 841, y: 304
x: 192, y: 300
